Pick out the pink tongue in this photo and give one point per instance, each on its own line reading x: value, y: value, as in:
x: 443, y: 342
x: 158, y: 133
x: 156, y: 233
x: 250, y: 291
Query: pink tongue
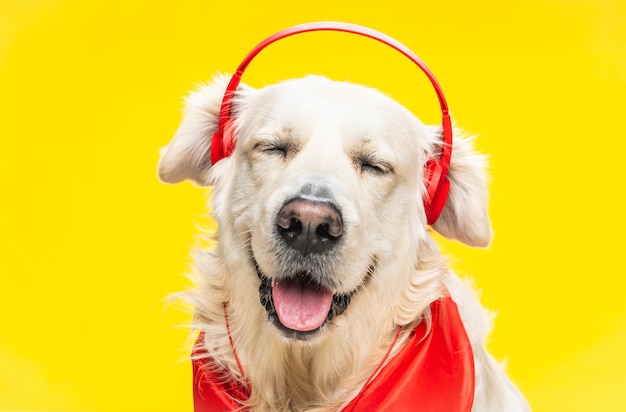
x: 300, y: 306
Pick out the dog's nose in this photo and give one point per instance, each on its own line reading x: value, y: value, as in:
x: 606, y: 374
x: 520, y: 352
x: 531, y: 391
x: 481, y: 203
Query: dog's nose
x: 309, y: 226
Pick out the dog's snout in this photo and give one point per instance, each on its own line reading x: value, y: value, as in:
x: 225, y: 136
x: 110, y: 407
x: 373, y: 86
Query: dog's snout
x: 309, y: 226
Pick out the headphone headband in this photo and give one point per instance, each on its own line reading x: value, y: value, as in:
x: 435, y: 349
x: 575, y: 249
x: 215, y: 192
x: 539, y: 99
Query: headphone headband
x: 436, y: 169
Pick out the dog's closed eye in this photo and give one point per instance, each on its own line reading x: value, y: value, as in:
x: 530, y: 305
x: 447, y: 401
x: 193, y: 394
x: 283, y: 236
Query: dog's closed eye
x: 276, y: 147
x: 371, y: 164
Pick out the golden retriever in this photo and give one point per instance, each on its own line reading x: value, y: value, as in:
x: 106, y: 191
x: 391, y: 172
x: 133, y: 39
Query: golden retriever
x: 323, y: 266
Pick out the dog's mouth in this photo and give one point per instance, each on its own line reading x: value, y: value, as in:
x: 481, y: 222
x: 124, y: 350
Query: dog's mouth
x: 299, y: 305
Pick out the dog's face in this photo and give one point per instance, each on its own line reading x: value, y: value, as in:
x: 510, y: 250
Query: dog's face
x: 323, y: 193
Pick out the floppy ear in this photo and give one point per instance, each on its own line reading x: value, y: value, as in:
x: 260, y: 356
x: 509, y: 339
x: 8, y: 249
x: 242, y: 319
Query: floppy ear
x: 188, y: 156
x: 464, y: 216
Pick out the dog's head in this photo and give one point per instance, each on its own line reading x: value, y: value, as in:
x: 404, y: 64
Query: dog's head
x: 322, y: 197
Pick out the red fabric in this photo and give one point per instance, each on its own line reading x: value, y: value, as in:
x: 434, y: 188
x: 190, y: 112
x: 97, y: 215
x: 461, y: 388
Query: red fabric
x: 213, y: 391
x: 431, y: 373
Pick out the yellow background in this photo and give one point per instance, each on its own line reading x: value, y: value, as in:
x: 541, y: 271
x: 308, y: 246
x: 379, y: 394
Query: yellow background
x: 91, y: 242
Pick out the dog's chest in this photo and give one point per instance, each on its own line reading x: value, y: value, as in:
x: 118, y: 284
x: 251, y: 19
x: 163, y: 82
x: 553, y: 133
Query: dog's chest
x: 433, y: 371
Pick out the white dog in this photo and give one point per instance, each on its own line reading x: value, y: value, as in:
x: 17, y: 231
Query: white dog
x: 323, y: 275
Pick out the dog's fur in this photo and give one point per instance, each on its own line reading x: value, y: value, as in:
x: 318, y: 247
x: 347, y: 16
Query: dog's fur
x: 362, y: 152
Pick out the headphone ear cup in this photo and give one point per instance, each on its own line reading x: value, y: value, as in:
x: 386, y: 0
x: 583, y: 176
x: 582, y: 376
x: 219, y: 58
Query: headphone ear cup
x: 223, y: 143
x: 229, y: 137
x: 216, y: 148
x: 437, y: 187
x: 438, y: 201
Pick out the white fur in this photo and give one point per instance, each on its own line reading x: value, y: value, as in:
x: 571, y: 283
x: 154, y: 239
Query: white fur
x: 331, y: 127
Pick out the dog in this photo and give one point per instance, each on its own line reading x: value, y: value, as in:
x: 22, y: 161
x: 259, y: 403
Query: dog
x: 323, y: 270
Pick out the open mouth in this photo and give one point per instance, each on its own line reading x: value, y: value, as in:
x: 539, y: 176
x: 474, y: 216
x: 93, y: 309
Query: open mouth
x: 299, y: 305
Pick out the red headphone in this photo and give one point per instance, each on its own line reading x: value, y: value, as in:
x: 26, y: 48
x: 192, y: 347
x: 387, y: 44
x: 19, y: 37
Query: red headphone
x: 436, y: 168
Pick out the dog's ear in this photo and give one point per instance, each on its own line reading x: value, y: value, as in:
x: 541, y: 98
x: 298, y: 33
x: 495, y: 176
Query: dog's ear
x: 188, y: 156
x: 464, y: 216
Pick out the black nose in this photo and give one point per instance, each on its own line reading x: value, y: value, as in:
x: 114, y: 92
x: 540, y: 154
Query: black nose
x: 309, y: 226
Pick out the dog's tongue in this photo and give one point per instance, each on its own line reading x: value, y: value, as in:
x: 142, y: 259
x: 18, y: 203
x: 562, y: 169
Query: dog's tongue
x: 301, y: 305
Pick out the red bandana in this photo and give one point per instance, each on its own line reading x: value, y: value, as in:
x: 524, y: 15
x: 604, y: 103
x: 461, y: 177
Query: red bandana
x: 433, y: 372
